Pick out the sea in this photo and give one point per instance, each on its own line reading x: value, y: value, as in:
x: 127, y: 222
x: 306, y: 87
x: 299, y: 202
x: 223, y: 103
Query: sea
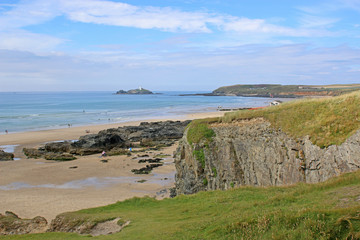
x: 30, y: 111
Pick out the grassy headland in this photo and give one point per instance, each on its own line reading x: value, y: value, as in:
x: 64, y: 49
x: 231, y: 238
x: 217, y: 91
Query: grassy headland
x: 329, y: 210
x: 327, y: 121
x: 292, y: 91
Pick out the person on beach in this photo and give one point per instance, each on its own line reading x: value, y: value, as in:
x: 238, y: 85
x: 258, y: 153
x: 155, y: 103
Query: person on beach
x: 103, y: 154
x: 6, y: 131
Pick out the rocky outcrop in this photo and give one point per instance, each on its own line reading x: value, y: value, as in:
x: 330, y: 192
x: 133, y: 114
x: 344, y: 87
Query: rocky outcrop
x: 4, y: 156
x: 135, y: 91
x: 114, y: 140
x: 251, y: 152
x: 11, y: 224
x: 83, y: 225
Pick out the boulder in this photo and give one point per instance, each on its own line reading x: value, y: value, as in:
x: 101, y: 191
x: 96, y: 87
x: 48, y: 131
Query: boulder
x: 59, y: 156
x: 4, y: 156
x: 33, y: 152
x: 11, y: 224
x: 57, y: 147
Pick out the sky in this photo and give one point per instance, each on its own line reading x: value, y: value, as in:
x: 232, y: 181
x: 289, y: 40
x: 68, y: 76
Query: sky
x: 176, y: 45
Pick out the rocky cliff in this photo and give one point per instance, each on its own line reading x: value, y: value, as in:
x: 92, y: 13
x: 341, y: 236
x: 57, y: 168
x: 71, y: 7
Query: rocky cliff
x: 251, y: 152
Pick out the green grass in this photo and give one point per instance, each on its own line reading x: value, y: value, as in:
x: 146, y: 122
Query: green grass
x: 327, y: 121
x: 200, y: 156
x: 199, y: 130
x: 329, y: 210
x: 286, y: 90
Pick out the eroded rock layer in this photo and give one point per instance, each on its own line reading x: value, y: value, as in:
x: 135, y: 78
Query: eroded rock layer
x: 251, y: 152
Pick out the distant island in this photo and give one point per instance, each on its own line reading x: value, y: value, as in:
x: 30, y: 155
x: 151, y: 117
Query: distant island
x: 283, y: 91
x: 139, y: 90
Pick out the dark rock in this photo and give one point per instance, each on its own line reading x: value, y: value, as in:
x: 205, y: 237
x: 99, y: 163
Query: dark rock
x: 33, y: 152
x: 172, y: 192
x: 59, y: 156
x: 104, y: 140
x: 104, y: 161
x: 135, y: 91
x: 147, y: 169
x: 88, y: 151
x: 150, y: 160
x: 58, y: 147
x: 11, y: 224
x: 115, y: 141
x: 73, y: 167
x: 4, y: 156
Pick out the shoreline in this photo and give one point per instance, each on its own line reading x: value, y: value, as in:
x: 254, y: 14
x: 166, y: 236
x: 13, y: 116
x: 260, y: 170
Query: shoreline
x: 72, y: 133
x: 39, y: 187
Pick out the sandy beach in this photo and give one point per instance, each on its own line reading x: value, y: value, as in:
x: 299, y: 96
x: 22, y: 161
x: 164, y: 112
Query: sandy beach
x: 37, y: 187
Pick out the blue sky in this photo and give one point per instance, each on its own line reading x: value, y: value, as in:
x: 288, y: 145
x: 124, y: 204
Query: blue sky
x: 64, y: 45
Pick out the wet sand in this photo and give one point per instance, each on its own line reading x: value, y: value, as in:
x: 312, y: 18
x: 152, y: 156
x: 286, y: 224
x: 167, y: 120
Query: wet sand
x: 37, y: 187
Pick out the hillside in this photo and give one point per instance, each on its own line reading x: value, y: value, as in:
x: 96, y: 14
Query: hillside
x: 327, y: 210
x: 284, y: 91
x: 308, y: 140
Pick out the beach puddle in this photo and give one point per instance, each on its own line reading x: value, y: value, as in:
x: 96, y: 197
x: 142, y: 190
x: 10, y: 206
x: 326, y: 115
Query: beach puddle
x: 9, y: 149
x: 160, y: 179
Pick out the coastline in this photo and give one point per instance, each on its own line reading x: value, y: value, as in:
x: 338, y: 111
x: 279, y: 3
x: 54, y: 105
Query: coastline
x: 38, y: 187
x: 33, y: 138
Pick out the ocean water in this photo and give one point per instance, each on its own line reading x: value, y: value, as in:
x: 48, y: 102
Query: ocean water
x: 27, y: 111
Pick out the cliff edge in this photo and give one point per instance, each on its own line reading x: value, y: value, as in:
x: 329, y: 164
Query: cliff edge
x: 255, y: 149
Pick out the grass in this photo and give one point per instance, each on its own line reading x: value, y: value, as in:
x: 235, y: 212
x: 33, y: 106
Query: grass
x: 327, y: 121
x: 200, y: 156
x: 199, y: 130
x: 286, y: 90
x: 302, y: 211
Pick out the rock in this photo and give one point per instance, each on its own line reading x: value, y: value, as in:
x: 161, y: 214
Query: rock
x: 150, y: 160
x: 104, y: 140
x: 135, y: 91
x: 58, y: 147
x: 11, y: 224
x: 4, y: 156
x: 87, y: 151
x: 83, y: 225
x: 147, y: 169
x: 59, y: 156
x: 250, y: 152
x: 33, y: 152
x: 115, y: 141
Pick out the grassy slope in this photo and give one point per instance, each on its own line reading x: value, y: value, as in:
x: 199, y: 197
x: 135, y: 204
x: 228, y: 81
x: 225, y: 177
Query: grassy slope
x: 276, y: 89
x: 327, y: 210
x: 327, y: 121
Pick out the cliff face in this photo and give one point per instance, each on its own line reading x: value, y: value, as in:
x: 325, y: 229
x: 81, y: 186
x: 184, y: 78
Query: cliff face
x: 250, y: 152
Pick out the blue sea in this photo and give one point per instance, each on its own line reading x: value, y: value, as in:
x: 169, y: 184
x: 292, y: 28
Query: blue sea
x: 28, y: 111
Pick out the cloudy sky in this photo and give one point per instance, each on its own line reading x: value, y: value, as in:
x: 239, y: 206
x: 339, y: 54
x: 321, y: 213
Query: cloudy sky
x: 62, y: 45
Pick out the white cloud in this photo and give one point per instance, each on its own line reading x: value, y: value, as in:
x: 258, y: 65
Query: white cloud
x: 291, y: 64
x: 24, y: 40
x: 313, y: 21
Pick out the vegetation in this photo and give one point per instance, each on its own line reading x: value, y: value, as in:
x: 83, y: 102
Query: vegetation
x: 199, y: 130
x: 214, y: 171
x: 200, y: 156
x: 328, y: 210
x: 285, y: 90
x: 327, y: 121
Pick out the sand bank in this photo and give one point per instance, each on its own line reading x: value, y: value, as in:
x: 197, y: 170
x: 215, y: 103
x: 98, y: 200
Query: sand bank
x: 33, y: 187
